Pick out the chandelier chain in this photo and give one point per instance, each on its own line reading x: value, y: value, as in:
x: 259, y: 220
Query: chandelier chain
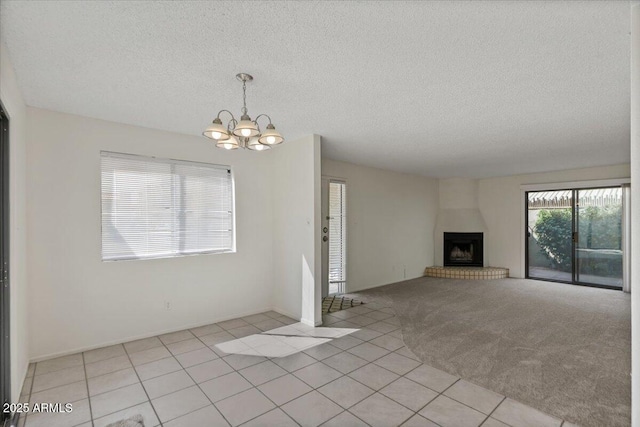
x: 244, y: 97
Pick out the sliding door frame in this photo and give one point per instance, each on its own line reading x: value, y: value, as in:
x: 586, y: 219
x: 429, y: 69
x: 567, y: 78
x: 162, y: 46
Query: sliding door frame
x: 574, y: 186
x: 526, y: 239
x: 5, y: 351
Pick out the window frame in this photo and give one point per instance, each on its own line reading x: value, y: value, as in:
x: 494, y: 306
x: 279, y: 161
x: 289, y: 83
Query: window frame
x: 172, y: 161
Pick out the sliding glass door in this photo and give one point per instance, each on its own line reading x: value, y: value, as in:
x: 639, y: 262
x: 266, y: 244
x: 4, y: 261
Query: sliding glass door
x: 575, y: 236
x: 599, y: 237
x: 549, y: 231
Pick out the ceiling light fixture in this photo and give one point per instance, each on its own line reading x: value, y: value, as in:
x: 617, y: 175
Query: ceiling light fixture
x: 245, y: 133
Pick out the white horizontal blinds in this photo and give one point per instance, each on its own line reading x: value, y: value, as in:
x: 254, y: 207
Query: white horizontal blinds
x: 137, y: 209
x: 159, y: 208
x: 337, y: 236
x: 205, y: 215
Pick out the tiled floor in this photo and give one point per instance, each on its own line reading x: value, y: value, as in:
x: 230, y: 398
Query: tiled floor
x: 354, y: 371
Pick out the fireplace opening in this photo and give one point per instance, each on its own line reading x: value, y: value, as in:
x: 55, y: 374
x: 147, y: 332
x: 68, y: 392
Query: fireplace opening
x: 463, y: 249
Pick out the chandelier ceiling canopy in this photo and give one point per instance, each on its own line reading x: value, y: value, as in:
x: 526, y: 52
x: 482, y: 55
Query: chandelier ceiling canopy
x: 245, y: 133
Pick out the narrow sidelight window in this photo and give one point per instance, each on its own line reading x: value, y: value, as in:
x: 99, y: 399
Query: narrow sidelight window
x: 337, y: 237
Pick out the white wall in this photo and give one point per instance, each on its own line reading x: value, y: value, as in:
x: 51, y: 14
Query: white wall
x: 296, y: 243
x: 635, y: 213
x: 79, y: 302
x: 390, y: 222
x: 457, y: 193
x: 502, y: 206
x: 16, y: 110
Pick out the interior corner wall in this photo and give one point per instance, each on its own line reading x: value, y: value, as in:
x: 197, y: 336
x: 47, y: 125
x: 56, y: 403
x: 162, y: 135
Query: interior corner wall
x: 15, y: 108
x: 502, y: 206
x: 457, y: 212
x: 79, y: 302
x: 390, y: 223
x: 296, y: 242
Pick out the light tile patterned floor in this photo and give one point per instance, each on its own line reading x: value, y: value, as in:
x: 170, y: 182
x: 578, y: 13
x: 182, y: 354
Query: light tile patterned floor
x: 355, y: 371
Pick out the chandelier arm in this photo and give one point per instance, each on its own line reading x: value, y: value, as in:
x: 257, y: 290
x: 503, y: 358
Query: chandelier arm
x: 260, y: 115
x: 256, y: 121
x: 227, y: 111
x: 234, y: 121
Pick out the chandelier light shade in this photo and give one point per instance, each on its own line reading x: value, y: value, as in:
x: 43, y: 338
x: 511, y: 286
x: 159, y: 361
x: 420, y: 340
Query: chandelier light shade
x: 246, y: 127
x: 254, y: 144
x: 216, y: 131
x: 245, y: 133
x: 231, y: 143
x: 270, y: 136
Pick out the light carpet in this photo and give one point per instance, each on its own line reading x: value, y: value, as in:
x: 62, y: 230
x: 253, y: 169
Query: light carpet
x: 563, y: 349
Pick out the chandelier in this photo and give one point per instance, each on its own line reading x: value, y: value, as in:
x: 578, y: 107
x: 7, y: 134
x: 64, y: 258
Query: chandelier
x: 245, y: 133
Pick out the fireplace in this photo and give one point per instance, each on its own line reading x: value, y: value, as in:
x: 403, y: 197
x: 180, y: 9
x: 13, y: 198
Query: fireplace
x: 463, y: 249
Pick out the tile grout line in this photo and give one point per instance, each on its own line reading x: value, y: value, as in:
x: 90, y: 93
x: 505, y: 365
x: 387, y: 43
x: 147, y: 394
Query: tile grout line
x: 316, y: 389
x: 142, y: 385
x: 33, y: 380
x: 494, y: 410
x: 125, y: 408
x: 438, y: 393
x: 208, y: 398
x: 86, y: 379
x: 61, y: 385
x: 477, y: 410
x: 198, y: 384
x: 267, y: 397
x: 327, y: 397
x: 120, y: 388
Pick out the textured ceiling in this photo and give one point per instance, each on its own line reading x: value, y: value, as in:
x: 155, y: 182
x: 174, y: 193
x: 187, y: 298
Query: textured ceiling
x: 473, y: 88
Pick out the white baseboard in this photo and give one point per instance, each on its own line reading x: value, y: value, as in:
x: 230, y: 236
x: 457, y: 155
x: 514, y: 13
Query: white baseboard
x: 310, y: 323
x: 151, y: 334
x: 286, y: 313
x: 352, y: 291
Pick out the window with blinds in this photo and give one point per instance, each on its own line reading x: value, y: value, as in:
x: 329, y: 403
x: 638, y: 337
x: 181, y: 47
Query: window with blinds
x: 337, y: 237
x: 159, y: 208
